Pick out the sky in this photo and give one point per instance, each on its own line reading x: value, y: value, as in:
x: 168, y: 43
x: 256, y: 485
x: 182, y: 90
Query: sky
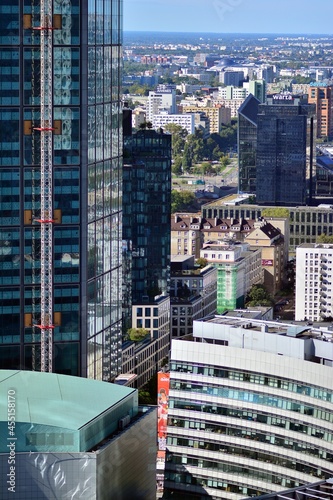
x: 230, y: 16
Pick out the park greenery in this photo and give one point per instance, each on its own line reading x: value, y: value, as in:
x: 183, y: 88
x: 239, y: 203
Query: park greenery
x: 193, y: 153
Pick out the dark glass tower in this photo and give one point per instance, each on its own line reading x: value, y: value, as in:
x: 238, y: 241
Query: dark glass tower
x: 146, y: 249
x: 247, y: 144
x: 147, y: 201
x: 87, y: 186
x: 285, y: 151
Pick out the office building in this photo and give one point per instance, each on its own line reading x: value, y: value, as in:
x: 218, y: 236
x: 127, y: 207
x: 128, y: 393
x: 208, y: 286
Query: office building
x: 298, y: 224
x: 238, y: 269
x: 267, y: 73
x: 193, y: 293
x: 146, y: 245
x: 285, y: 162
x: 186, y: 121
x: 74, y: 437
x: 163, y: 99
x: 318, y: 491
x: 82, y: 167
x: 250, y: 409
x: 314, y: 289
x: 247, y: 144
x: 321, y: 94
x: 234, y: 78
x: 257, y: 88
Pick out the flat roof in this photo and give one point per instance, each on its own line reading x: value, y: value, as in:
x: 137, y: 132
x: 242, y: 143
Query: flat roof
x: 57, y: 400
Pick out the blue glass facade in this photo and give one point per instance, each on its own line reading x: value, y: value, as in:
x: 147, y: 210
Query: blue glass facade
x: 87, y: 186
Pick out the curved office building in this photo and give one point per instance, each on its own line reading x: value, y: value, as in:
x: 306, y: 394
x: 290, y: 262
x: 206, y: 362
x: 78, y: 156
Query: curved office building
x: 250, y: 409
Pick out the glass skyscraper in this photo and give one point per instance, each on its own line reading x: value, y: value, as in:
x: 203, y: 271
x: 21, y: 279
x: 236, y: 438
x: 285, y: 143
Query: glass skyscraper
x: 285, y: 161
x: 87, y: 186
x: 247, y: 144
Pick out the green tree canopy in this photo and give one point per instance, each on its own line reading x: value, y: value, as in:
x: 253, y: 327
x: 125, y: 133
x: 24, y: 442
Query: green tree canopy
x: 176, y: 167
x: 325, y: 238
x: 258, y: 296
x: 181, y: 200
x: 187, y: 158
x: 137, y: 334
x: 201, y: 262
x: 178, y: 137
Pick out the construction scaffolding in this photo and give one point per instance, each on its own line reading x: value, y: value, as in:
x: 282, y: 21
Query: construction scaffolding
x: 46, y: 175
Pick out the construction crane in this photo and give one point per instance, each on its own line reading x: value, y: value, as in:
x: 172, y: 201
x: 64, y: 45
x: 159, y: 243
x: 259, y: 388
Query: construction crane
x: 46, y: 190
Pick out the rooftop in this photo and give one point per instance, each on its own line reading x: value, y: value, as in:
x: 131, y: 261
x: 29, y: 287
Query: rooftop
x: 57, y: 400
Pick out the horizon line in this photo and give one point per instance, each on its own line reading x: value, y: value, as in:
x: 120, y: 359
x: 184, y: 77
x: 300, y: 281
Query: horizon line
x: 226, y: 33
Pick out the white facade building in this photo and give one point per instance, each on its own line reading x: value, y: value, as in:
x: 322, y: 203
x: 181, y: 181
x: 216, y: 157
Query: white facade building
x: 314, y: 285
x: 186, y: 121
x: 161, y: 100
x: 250, y: 409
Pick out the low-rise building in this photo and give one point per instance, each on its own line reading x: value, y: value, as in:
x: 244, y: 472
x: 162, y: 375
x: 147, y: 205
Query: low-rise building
x: 274, y: 253
x: 238, y: 269
x: 186, y: 236
x: 302, y: 224
x: 216, y: 229
x: 193, y: 293
x: 186, y: 121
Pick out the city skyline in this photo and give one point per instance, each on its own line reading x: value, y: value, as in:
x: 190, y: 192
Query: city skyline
x: 228, y: 16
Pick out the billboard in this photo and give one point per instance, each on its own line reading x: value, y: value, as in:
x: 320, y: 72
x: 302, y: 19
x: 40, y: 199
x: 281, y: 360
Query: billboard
x: 163, y: 383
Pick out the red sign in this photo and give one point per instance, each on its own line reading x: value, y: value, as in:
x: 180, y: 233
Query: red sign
x: 267, y: 262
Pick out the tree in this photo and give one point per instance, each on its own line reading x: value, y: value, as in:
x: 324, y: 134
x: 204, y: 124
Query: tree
x: 177, y: 166
x: 206, y: 168
x: 178, y: 137
x: 325, y: 238
x: 201, y: 262
x: 224, y: 161
x: 137, y: 334
x: 258, y: 296
x: 187, y: 158
x: 181, y: 200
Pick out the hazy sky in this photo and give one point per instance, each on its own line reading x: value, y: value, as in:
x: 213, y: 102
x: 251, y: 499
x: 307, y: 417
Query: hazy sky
x: 230, y: 16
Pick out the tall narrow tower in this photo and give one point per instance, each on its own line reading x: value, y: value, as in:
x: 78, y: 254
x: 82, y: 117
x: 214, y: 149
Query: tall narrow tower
x: 60, y: 186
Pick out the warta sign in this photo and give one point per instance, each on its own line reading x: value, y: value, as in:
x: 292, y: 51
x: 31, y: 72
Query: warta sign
x: 282, y: 97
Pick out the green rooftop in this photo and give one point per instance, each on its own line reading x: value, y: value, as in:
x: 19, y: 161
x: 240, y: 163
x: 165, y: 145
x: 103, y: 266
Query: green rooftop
x: 52, y: 403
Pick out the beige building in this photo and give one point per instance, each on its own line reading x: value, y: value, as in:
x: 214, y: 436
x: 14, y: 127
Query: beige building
x: 321, y: 95
x: 274, y: 254
x: 217, y: 229
x: 138, y: 117
x: 232, y: 104
x: 186, y: 238
x: 217, y: 115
